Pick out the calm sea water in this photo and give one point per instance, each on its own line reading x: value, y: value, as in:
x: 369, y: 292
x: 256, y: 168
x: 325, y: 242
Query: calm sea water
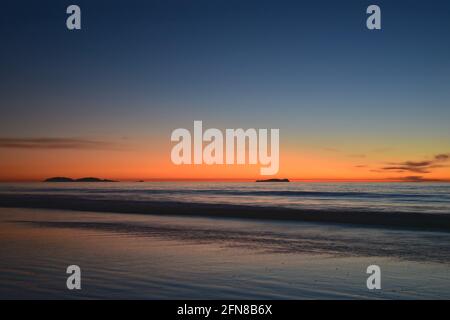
x: 404, y: 197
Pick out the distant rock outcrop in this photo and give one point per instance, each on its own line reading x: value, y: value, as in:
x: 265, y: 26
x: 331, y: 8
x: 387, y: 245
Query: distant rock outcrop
x: 273, y: 180
x: 87, y: 179
x: 91, y: 179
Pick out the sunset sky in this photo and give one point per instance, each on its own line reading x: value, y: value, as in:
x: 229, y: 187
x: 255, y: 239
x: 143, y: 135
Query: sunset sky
x: 351, y: 104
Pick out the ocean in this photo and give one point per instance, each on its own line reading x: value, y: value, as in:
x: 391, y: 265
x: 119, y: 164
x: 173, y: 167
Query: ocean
x: 380, y: 197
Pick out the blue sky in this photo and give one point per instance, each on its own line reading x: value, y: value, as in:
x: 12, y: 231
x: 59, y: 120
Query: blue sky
x: 310, y: 68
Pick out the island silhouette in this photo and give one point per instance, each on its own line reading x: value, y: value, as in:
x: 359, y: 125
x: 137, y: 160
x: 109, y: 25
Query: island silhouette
x: 273, y: 180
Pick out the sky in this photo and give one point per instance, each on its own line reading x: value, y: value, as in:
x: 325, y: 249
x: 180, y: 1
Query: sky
x: 350, y: 103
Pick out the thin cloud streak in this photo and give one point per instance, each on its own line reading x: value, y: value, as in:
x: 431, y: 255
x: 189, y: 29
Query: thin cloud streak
x: 53, y: 143
x: 416, y: 179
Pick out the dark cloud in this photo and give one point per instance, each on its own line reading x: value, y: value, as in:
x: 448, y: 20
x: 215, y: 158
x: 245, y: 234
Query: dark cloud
x: 442, y: 157
x: 407, y: 168
x: 52, y: 143
x: 415, y: 179
x: 418, y: 166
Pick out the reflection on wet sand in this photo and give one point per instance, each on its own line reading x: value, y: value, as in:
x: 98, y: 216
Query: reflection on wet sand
x: 155, y: 257
x: 395, y: 244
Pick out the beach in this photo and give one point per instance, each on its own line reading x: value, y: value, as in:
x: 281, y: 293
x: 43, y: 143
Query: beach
x: 158, y: 254
x: 155, y: 257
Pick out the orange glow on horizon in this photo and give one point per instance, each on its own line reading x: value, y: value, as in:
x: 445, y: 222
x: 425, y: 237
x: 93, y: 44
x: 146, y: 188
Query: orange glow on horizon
x: 155, y: 165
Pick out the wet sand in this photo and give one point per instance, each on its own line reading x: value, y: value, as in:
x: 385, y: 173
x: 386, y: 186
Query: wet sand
x: 157, y: 257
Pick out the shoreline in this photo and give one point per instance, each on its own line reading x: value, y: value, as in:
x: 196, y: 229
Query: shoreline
x: 398, y: 220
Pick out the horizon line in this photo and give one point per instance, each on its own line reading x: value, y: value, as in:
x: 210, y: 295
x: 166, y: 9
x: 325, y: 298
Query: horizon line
x: 381, y: 180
